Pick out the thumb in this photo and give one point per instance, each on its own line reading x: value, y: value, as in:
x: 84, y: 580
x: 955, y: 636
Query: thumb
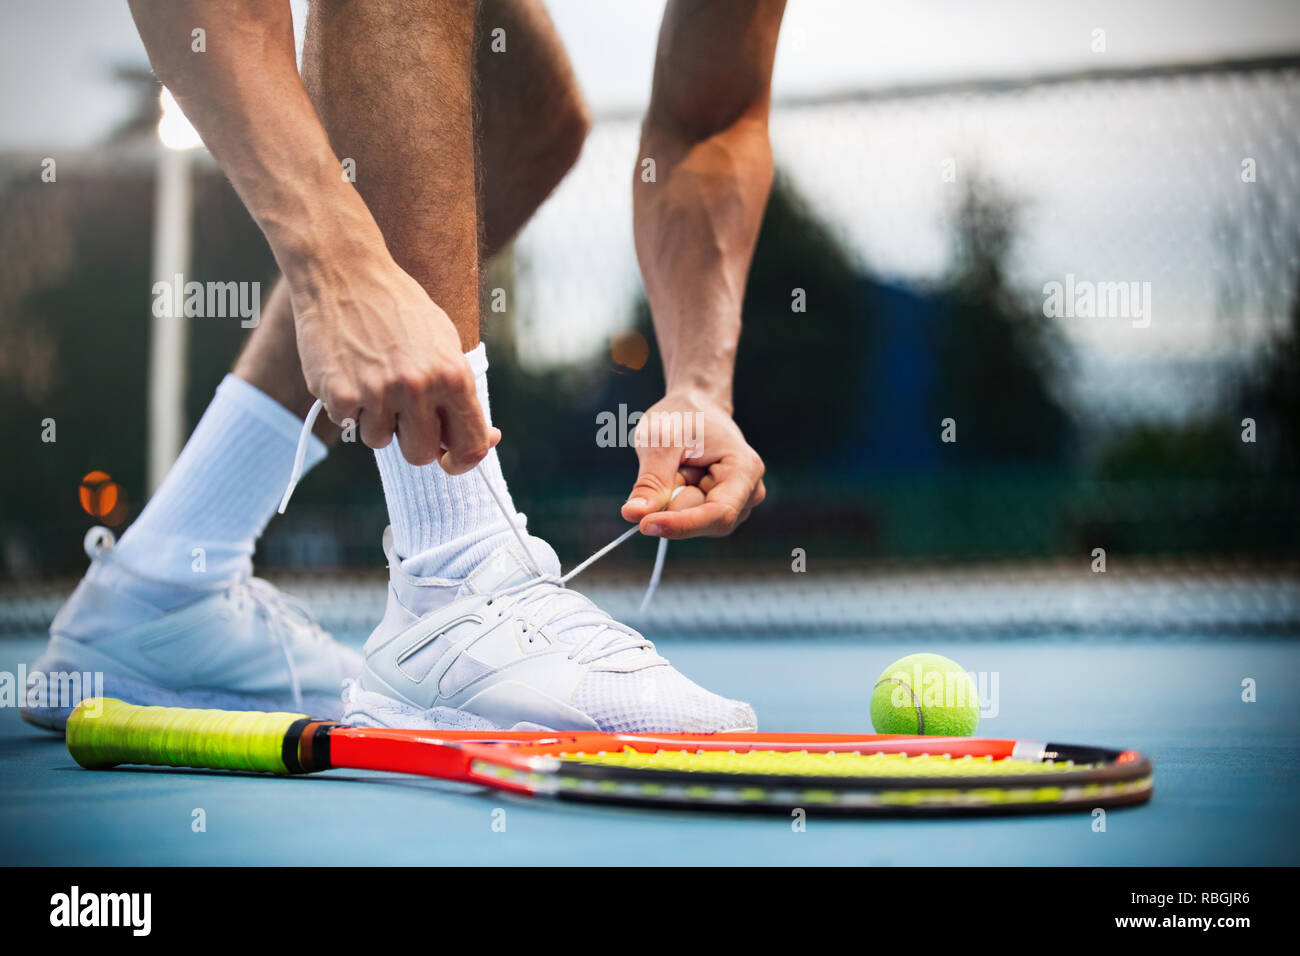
x: 654, y: 482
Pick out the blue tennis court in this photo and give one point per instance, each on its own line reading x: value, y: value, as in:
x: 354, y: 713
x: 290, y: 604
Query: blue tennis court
x: 1225, y: 774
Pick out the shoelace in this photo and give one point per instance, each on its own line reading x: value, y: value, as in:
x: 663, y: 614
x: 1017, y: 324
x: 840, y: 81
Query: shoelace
x: 546, y: 601
x: 560, y: 581
x: 268, y: 599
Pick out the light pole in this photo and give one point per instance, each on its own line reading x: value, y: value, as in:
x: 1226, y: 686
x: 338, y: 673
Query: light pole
x: 172, y: 214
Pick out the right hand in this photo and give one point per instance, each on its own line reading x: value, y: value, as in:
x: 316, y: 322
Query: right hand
x: 376, y: 349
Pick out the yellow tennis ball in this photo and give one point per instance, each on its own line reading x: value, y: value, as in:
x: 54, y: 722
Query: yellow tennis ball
x: 925, y: 694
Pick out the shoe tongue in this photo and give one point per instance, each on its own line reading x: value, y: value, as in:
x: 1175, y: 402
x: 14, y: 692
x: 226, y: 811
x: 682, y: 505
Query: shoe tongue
x: 508, y: 566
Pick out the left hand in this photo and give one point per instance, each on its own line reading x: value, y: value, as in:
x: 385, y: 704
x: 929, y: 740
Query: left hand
x: 686, y: 441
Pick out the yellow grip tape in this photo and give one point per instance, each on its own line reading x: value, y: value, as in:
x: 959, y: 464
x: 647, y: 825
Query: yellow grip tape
x: 102, y: 732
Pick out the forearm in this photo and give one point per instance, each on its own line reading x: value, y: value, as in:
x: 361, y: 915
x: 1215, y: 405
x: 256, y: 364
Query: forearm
x: 695, y: 232
x: 248, y: 103
x: 696, y: 224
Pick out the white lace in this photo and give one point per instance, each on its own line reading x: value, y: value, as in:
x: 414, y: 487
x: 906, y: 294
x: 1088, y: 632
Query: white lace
x: 544, y: 587
x: 546, y: 601
x: 276, y: 606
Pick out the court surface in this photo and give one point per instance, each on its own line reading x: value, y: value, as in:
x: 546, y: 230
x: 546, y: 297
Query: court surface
x: 1226, y: 774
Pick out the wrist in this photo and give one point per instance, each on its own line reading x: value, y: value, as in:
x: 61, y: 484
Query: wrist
x: 317, y: 224
x: 702, y: 392
x: 316, y: 257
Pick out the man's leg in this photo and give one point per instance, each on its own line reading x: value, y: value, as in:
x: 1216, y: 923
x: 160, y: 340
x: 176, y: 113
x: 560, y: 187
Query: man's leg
x: 370, y: 70
x: 269, y: 360
x: 531, y: 122
x: 391, y: 81
x: 366, y: 71
x: 180, y: 574
x: 393, y: 85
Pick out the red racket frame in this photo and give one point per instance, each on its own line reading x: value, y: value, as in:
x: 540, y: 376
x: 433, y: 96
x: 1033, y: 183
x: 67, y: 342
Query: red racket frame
x: 450, y: 755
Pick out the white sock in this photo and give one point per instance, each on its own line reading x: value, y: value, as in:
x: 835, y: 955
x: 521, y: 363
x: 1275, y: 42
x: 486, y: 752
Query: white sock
x: 445, y: 525
x: 218, y: 497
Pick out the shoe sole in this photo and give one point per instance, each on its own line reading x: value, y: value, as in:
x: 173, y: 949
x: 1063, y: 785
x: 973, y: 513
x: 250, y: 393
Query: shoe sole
x: 135, y: 691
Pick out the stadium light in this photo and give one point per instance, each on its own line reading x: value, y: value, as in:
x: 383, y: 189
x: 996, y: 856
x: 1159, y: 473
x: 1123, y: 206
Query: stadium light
x: 174, y: 128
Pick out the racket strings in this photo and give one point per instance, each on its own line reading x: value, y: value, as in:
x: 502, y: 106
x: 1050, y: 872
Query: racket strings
x: 819, y: 764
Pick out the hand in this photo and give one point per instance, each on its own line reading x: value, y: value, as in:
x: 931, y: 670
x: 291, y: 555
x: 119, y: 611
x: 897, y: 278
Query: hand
x: 376, y: 349
x: 684, y: 440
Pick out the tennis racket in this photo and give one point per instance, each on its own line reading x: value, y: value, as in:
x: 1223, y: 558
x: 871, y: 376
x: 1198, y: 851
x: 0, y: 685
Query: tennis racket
x: 841, y: 773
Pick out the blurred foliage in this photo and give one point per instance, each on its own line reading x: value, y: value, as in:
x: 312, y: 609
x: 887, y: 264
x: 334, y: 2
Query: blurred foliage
x: 995, y: 358
x: 1150, y: 452
x: 1272, y: 397
x: 796, y: 393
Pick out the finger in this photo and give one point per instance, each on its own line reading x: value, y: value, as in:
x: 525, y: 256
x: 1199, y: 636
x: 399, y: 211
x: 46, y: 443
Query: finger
x: 654, y: 483
x: 419, y: 432
x: 414, y: 435
x: 688, y: 497
x: 755, y: 499
x: 721, y: 511
x: 342, y: 408
x: 709, y: 482
x: 692, y: 474
x: 465, y: 432
x: 377, y: 426
x: 710, y: 519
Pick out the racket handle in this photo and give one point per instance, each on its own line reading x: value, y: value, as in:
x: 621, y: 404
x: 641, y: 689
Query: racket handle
x: 102, y: 732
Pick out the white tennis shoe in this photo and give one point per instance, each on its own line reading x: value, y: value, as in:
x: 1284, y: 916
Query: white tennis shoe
x: 245, y: 646
x: 513, y: 648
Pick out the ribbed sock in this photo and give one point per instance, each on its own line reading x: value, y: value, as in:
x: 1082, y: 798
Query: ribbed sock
x: 446, y: 525
x: 202, y: 524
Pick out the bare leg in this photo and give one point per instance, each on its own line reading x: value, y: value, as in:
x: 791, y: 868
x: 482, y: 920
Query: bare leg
x: 531, y: 125
x: 532, y: 120
x: 270, y: 360
x: 392, y: 84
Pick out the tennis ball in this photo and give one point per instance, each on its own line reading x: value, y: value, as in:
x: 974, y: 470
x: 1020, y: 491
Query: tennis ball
x: 925, y: 694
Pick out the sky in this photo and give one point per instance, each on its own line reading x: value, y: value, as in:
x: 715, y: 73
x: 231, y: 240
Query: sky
x: 55, y: 55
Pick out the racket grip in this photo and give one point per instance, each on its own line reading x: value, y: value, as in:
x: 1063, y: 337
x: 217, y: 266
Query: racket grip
x: 102, y: 732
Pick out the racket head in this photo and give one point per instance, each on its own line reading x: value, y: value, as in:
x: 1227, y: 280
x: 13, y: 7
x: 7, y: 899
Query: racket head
x: 830, y: 773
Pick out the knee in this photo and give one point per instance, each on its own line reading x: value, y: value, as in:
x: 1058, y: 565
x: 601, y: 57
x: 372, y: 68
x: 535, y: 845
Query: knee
x: 570, y: 128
